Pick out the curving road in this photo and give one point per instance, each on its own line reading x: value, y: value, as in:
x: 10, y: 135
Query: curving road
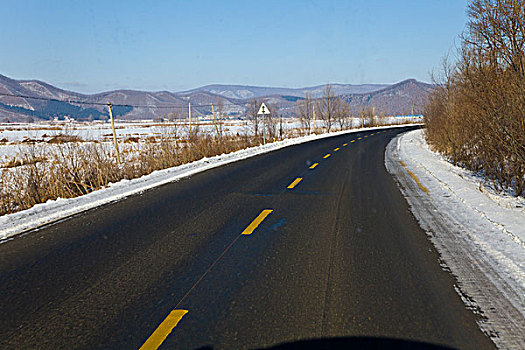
x: 312, y: 242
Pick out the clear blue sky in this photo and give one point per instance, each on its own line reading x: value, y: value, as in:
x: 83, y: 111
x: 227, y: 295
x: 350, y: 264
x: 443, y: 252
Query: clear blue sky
x: 93, y: 46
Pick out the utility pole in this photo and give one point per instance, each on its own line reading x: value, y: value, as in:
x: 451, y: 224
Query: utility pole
x: 214, y: 121
x: 114, y: 132
x: 281, y: 127
x: 314, y: 117
x: 189, y: 118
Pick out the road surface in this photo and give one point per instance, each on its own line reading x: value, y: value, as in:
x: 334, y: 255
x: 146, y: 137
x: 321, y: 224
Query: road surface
x: 312, y: 242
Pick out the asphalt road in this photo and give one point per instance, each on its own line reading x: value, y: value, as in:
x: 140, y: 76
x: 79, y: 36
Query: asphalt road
x: 338, y: 260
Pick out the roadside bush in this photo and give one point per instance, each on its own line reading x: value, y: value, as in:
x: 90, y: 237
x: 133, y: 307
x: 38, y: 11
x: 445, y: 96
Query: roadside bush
x: 476, y: 115
x: 72, y: 169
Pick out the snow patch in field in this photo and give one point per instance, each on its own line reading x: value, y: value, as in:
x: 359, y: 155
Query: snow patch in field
x: 54, y: 210
x: 479, y: 233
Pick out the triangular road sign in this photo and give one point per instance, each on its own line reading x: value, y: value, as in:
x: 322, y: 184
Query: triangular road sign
x: 263, y: 109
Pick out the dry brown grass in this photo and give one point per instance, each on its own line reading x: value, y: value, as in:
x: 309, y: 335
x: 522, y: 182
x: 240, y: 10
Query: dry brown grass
x: 73, y: 168
x: 61, y: 138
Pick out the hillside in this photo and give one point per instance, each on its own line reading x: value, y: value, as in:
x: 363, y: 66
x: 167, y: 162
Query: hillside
x: 247, y: 92
x: 406, y: 97
x: 389, y: 99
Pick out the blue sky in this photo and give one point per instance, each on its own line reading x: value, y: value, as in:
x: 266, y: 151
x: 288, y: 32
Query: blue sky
x: 93, y: 46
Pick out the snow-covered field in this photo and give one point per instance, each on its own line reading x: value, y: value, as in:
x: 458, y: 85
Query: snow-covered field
x: 15, y: 138
x: 479, y: 233
x: 102, y: 130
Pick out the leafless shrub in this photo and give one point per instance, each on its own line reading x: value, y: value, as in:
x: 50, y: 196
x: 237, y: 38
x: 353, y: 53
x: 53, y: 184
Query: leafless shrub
x: 476, y: 115
x: 251, y: 113
x: 366, y: 116
x: 342, y: 113
x: 73, y: 169
x: 306, y: 112
x: 327, y: 106
x: 271, y: 122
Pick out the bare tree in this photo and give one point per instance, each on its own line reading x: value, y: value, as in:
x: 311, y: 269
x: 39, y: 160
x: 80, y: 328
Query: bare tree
x: 327, y: 107
x: 497, y: 29
x: 272, y: 120
x: 342, y: 111
x: 367, y: 116
x: 476, y: 116
x: 306, y: 112
x: 251, y: 113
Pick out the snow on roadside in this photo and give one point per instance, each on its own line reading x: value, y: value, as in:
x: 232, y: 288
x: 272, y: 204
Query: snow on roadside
x: 480, y: 234
x: 54, y: 210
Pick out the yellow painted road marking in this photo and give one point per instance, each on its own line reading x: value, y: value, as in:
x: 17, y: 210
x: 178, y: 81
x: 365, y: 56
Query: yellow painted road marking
x: 328, y: 155
x: 359, y: 138
x: 314, y: 165
x: 345, y: 144
x: 294, y: 183
x: 170, y: 322
x: 336, y: 149
x: 414, y: 177
x: 352, y: 141
x: 163, y: 330
x: 249, y: 230
x: 366, y: 136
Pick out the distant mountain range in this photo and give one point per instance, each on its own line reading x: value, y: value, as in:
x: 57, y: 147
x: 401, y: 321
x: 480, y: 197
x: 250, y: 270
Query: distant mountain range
x: 402, y: 98
x: 245, y: 92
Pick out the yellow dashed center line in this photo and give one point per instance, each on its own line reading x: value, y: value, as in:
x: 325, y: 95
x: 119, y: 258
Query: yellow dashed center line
x: 249, y: 230
x: 175, y: 316
x: 170, y: 322
x: 294, y: 183
x: 163, y: 330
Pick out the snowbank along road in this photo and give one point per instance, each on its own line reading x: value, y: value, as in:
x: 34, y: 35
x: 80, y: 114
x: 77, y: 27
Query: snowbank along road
x: 479, y: 234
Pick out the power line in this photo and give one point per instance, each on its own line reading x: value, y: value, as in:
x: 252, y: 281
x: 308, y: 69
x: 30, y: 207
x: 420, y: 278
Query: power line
x: 98, y: 103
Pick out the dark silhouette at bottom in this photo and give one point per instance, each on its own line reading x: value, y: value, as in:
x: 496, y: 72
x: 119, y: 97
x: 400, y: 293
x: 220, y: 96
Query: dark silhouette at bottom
x: 352, y: 343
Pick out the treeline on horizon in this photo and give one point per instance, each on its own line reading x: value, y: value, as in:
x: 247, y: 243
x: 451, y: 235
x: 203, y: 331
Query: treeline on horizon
x: 476, y: 115
x: 60, y: 110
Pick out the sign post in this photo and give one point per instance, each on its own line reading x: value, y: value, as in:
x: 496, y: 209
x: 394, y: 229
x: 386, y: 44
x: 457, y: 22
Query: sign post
x: 263, y: 111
